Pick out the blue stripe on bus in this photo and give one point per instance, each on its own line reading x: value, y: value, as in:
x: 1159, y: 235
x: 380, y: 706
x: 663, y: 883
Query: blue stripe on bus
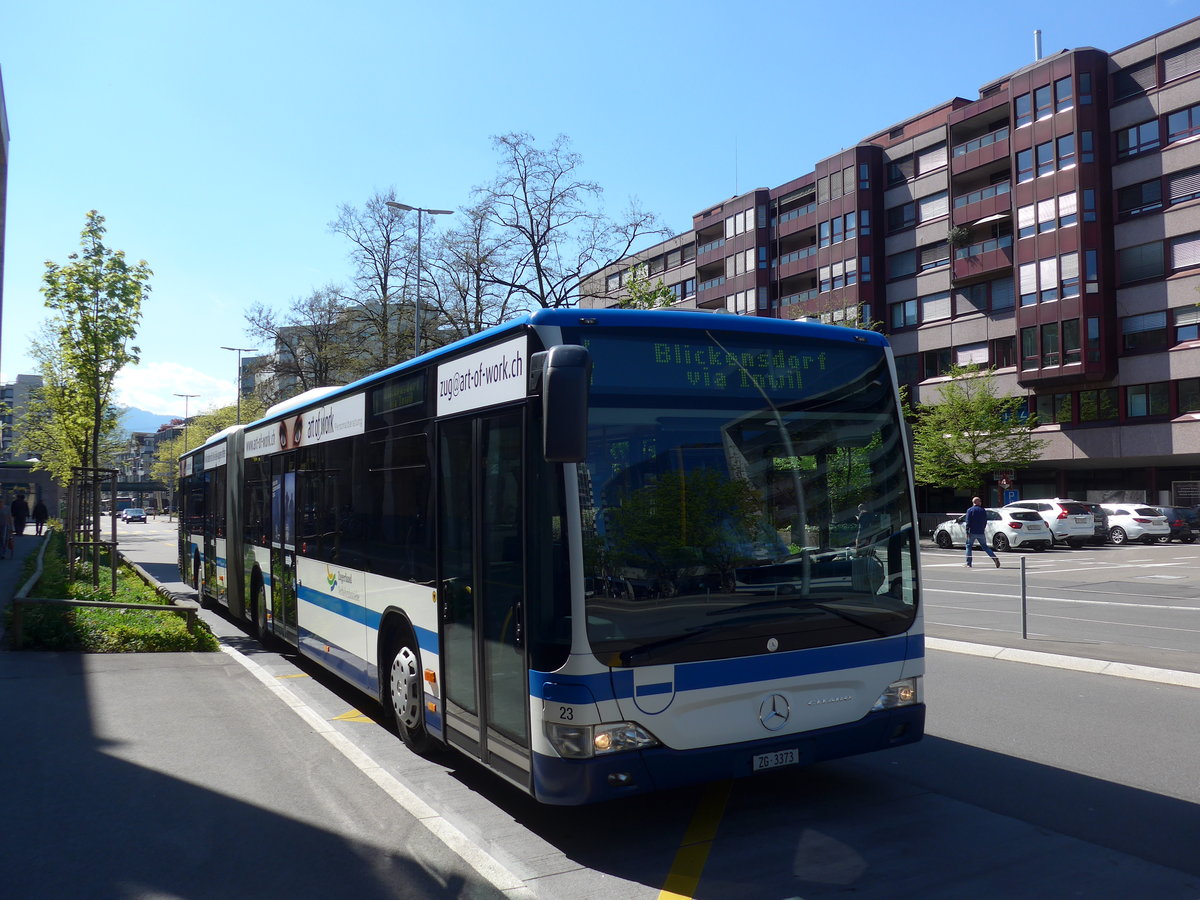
x: 426, y: 640
x: 726, y: 672
x: 648, y: 690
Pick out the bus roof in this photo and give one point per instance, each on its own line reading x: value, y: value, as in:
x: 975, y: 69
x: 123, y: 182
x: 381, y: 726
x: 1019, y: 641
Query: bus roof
x: 564, y: 317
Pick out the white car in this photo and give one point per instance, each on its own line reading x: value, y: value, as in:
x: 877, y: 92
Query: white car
x: 1007, y: 529
x: 1136, y: 522
x: 1070, y: 522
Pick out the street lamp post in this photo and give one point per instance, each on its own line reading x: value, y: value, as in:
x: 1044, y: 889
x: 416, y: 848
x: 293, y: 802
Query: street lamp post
x: 240, y: 351
x: 186, y: 398
x: 417, y: 309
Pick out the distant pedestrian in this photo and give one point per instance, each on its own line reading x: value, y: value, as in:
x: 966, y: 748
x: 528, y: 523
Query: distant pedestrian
x: 40, y: 515
x: 868, y: 523
x: 6, y: 531
x: 976, y: 521
x: 20, y: 513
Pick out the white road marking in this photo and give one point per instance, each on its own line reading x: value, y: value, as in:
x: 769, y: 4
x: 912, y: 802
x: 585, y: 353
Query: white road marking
x: 448, y: 834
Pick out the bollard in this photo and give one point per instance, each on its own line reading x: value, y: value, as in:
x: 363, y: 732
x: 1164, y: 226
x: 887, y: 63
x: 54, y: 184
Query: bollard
x: 1024, y: 604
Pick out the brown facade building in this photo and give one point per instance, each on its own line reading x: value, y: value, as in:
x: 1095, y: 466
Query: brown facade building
x: 1049, y: 229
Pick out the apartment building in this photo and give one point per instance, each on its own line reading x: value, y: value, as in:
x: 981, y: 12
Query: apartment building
x: 1049, y: 228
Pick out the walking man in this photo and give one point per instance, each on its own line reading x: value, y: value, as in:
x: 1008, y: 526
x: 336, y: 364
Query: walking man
x: 976, y: 521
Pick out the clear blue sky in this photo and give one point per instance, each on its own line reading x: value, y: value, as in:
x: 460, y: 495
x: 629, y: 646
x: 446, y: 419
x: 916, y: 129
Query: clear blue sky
x: 218, y: 139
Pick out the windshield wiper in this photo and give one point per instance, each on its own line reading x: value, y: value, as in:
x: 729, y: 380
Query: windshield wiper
x: 851, y: 617
x: 642, y: 649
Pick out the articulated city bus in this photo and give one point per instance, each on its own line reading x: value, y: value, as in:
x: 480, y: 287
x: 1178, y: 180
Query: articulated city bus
x: 602, y: 552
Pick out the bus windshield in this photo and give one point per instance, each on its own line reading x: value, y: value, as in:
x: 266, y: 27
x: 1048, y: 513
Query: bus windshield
x: 743, y: 493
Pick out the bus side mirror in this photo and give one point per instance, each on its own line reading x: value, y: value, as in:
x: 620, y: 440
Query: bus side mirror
x: 566, y: 372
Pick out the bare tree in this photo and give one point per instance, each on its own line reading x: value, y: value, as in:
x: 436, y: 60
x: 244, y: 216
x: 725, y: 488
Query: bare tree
x: 556, y: 234
x: 467, y: 298
x: 382, y: 241
x: 316, y: 342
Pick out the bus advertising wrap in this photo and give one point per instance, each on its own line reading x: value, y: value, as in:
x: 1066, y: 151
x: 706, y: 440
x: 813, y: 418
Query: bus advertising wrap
x: 342, y: 418
x: 491, y: 376
x: 214, y: 457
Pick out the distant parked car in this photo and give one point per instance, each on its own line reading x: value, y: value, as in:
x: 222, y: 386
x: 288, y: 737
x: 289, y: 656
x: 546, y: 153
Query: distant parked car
x: 134, y: 514
x: 1136, y: 522
x: 1184, y: 522
x: 1070, y: 521
x: 1100, y: 518
x: 1007, y: 529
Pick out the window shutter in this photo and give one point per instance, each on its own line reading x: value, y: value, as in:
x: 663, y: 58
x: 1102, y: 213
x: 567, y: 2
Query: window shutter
x: 1128, y: 82
x: 1185, y: 185
x: 1029, y: 278
x: 1067, y: 204
x: 1069, y: 266
x: 935, y: 206
x: 933, y: 158
x: 905, y: 169
x: 1185, y: 251
x: 1002, y: 293
x: 934, y: 254
x: 972, y: 353
x: 1155, y: 321
x: 1045, y: 210
x: 1187, y: 315
x: 1181, y: 62
x: 1025, y: 217
x: 1048, y: 273
x: 935, y: 306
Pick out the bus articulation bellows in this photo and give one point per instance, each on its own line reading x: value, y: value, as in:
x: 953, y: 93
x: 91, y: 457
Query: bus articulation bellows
x: 602, y: 552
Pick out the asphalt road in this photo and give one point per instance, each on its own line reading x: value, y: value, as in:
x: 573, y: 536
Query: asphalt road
x: 1033, y: 781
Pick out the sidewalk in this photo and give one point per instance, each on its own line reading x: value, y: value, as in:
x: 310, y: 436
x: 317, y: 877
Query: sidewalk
x: 11, y: 567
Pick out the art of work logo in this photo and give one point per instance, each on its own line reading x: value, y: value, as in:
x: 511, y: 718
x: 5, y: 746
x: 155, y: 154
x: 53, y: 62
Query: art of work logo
x: 331, y: 577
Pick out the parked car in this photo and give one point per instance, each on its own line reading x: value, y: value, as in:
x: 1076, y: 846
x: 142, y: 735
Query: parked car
x: 1007, y: 529
x: 1100, y: 519
x: 133, y: 514
x: 1136, y: 522
x: 1184, y: 522
x: 1070, y: 521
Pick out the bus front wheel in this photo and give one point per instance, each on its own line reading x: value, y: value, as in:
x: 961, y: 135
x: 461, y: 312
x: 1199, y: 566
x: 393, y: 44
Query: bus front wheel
x: 406, y: 696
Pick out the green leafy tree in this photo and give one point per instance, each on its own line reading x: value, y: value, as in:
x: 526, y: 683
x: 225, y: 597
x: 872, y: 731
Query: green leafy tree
x: 200, y: 428
x: 971, y: 432
x: 642, y: 293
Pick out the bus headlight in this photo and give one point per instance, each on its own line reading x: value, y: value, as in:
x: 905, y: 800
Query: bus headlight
x: 587, y: 741
x: 905, y: 692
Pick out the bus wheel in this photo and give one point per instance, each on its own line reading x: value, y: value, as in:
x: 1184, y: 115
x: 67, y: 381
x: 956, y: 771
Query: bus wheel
x: 406, y: 697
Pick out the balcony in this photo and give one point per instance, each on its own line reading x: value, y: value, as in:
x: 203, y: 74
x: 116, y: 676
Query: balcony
x: 991, y: 255
x: 793, y: 263
x: 993, y: 200
x: 980, y: 151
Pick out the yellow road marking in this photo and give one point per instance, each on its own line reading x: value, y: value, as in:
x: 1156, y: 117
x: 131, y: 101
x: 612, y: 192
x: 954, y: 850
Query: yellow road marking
x: 298, y: 675
x: 352, y: 716
x: 684, y: 877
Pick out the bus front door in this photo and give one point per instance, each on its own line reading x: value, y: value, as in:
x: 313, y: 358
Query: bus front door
x: 481, y: 583
x: 283, y: 549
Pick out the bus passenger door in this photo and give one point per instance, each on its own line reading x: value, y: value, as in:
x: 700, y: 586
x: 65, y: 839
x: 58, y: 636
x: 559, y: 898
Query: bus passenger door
x: 283, y: 548
x: 481, y: 583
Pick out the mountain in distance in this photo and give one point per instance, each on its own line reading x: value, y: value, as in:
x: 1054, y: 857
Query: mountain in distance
x: 134, y: 419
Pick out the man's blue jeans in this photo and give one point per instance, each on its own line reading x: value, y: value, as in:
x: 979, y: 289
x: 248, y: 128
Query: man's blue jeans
x: 982, y: 538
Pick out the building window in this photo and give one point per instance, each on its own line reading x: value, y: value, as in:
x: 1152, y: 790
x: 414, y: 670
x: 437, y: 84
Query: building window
x: 612, y: 283
x: 1093, y: 339
x: 674, y: 258
x: 1184, y: 123
x: 1189, y: 395
x: 1062, y: 94
x: 1024, y: 165
x: 1098, y: 406
x: 1182, y: 62
x: 1183, y: 186
x: 1004, y: 352
x: 900, y: 265
x: 908, y: 368
x: 901, y: 217
x: 864, y: 268
x: 1185, y: 252
x: 930, y: 159
x: 1067, y: 209
x: 1089, y: 205
x: 864, y: 177
x: 973, y: 298
x: 1140, y: 263
x: 1054, y: 409
x: 850, y: 231
x: 864, y: 222
x: 1027, y: 276
x: 1029, y: 348
x: 1024, y: 110
x: 1140, y: 198
x: 823, y: 235
x: 838, y: 225
x: 1147, y: 400
x: 1087, y: 152
x: 1071, y: 351
x: 904, y: 314
x: 901, y: 170
x: 1187, y: 324
x: 1068, y: 266
x: 1003, y: 295
x: 935, y: 255
x: 937, y: 362
x: 689, y: 252
x: 1085, y: 88
x: 1048, y: 279
x: 1066, y: 151
x: 1047, y: 215
x: 1145, y: 333
x: 1042, y: 104
x: 1137, y: 139
x: 1045, y: 158
x: 1049, y: 344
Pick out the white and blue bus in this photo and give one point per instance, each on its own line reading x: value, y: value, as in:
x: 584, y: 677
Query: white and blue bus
x: 602, y: 552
